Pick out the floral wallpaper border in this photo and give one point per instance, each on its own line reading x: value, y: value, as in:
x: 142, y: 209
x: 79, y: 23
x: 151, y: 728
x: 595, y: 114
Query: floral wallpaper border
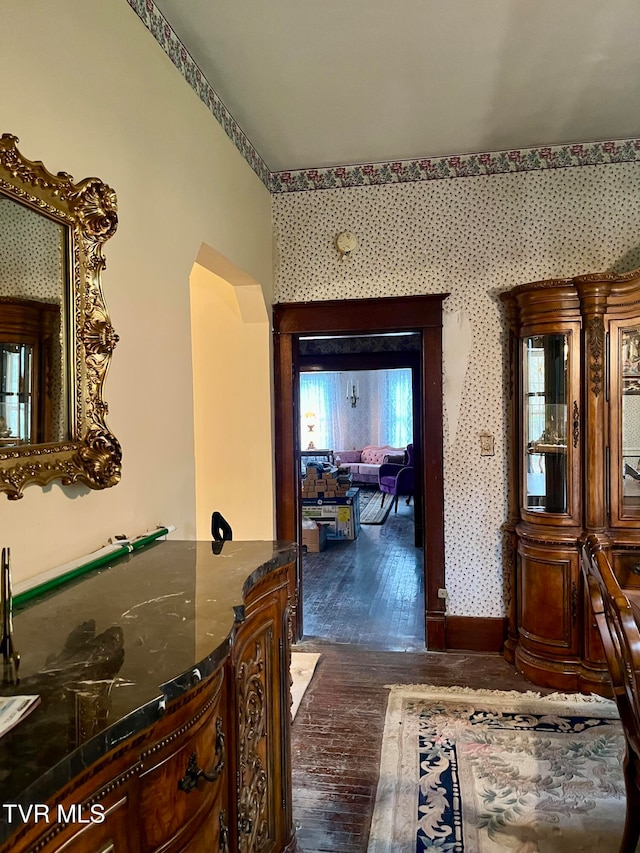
x: 461, y: 166
x: 373, y: 174
x: 161, y: 30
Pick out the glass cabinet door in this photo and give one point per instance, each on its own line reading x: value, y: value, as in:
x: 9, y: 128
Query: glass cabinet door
x: 16, y: 384
x: 628, y: 469
x: 546, y: 412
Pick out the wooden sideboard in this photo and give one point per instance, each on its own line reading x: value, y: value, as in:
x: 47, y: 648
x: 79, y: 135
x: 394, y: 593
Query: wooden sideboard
x: 203, y: 766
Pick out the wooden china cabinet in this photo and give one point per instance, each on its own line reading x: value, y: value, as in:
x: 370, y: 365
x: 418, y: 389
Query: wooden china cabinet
x: 574, y: 351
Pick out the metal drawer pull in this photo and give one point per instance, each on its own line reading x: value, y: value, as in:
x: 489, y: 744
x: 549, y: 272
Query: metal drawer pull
x: 189, y: 781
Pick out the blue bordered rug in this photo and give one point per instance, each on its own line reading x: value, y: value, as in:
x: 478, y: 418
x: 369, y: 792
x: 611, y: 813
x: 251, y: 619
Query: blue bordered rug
x: 482, y: 771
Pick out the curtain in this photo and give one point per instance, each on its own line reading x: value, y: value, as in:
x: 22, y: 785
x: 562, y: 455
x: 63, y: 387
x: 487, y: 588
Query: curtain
x: 385, y: 405
x: 320, y: 420
x: 396, y: 407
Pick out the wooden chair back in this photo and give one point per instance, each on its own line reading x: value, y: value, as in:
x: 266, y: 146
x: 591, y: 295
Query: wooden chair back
x: 618, y: 628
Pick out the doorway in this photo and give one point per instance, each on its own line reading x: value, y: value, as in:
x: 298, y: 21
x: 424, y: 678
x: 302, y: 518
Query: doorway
x: 419, y: 314
x: 361, y: 563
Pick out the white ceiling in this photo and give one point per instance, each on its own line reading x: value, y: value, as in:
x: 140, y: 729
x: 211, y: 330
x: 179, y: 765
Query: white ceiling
x: 317, y: 83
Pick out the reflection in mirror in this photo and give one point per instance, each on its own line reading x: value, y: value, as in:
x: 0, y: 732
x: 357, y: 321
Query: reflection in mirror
x: 16, y: 393
x: 545, y: 423
x: 630, y: 355
x: 33, y: 323
x: 33, y: 406
x: 56, y: 337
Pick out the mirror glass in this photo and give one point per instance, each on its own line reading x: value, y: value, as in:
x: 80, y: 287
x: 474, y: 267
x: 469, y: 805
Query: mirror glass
x: 545, y: 422
x: 34, y: 370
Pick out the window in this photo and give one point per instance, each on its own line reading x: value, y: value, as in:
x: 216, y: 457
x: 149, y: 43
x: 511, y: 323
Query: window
x: 383, y: 413
x: 396, y: 398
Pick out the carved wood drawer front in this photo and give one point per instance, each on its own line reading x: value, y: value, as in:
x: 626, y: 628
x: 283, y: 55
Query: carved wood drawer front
x: 112, y: 836
x: 184, y: 777
x: 103, y: 823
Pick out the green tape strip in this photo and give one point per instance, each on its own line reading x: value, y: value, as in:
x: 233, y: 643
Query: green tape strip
x: 23, y: 597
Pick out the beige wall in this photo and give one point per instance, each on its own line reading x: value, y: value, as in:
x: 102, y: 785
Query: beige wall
x: 88, y: 91
x: 231, y: 333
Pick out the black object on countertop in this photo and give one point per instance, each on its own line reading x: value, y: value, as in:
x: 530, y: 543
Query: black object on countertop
x: 220, y: 531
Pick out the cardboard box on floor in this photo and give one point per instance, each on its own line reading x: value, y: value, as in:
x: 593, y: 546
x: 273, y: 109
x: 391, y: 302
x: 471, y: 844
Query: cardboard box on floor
x: 314, y: 535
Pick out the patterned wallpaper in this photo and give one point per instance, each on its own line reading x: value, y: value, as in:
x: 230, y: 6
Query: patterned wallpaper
x: 38, y: 273
x: 360, y: 424
x: 631, y: 425
x: 472, y: 237
x: 364, y: 424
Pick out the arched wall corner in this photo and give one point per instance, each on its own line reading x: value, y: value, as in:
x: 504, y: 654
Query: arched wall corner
x: 252, y: 297
x: 232, y: 394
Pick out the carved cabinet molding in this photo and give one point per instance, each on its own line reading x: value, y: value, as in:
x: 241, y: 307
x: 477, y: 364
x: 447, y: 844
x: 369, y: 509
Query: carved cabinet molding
x: 262, y: 703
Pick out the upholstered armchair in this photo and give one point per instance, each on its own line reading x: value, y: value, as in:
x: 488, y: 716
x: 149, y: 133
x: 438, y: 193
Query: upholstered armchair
x: 397, y: 480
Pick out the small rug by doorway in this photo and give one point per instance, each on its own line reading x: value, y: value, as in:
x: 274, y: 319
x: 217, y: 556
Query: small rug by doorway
x: 483, y: 771
x: 303, y: 665
x: 370, y: 510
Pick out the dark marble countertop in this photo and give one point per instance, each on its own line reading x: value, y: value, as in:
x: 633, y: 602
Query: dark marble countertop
x: 124, y: 640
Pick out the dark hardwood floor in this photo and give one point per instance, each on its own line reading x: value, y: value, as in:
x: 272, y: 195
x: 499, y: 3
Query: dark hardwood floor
x: 363, y: 611
x: 368, y: 592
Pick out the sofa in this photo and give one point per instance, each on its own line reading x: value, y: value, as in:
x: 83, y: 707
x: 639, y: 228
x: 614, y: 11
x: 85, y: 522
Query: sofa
x: 364, y: 464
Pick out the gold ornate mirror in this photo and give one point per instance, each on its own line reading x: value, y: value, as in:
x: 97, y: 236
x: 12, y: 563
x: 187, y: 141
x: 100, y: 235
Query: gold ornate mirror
x: 56, y: 337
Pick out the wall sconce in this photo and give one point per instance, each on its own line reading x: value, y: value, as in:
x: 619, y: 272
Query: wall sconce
x: 346, y: 243
x: 353, y: 396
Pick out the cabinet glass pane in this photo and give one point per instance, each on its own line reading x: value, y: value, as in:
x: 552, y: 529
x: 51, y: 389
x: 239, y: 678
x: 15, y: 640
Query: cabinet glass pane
x: 545, y: 422
x: 15, y: 393
x: 630, y: 416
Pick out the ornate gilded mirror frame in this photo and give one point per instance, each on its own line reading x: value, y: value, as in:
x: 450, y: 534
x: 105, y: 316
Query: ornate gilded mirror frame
x: 89, y: 453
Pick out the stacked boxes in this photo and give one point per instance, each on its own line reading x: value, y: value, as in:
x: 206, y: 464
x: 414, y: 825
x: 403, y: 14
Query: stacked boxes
x: 340, y: 516
x: 325, y: 482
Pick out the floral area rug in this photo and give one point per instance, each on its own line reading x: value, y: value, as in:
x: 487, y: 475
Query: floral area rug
x: 483, y: 771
